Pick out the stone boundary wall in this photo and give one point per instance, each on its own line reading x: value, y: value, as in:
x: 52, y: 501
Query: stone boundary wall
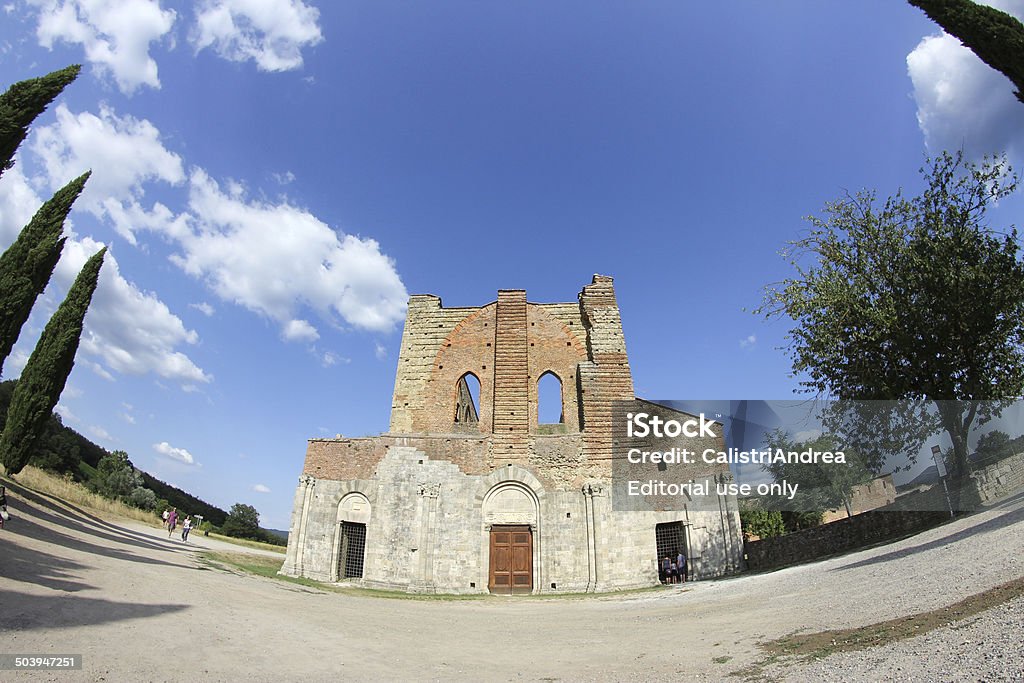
x: 874, y: 526
x: 1000, y: 479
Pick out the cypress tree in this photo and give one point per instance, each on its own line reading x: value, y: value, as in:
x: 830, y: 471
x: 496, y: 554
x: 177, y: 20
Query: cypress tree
x: 47, y: 370
x: 26, y: 266
x: 995, y: 36
x: 22, y: 103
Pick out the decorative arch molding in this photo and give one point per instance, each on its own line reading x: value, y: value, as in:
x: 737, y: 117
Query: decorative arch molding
x: 355, y: 507
x: 365, y: 488
x: 510, y: 495
x: 354, y: 502
x: 510, y: 475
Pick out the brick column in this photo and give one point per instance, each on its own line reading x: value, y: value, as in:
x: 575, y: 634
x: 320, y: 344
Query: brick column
x: 511, y: 414
x: 606, y: 377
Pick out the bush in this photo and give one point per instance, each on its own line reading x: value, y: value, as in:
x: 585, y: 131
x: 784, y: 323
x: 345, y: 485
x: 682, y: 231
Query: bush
x: 762, y: 523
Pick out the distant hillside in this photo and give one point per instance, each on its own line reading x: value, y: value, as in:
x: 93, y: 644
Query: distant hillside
x: 929, y: 476
x: 64, y: 450
x: 278, y: 533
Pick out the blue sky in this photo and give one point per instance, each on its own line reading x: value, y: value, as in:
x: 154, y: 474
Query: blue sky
x: 274, y: 177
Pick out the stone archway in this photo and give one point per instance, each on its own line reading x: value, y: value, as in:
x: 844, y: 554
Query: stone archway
x: 510, y: 511
x: 354, y: 511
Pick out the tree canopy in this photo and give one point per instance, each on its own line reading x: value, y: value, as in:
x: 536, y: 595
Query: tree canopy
x: 22, y: 103
x: 26, y: 265
x: 913, y: 298
x: 995, y: 36
x: 47, y: 370
x: 242, y: 521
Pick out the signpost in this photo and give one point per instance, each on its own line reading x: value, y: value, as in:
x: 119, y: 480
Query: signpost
x: 940, y: 465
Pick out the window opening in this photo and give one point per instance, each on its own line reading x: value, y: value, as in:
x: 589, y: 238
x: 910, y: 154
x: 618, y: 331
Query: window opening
x: 467, y: 399
x: 549, y: 399
x: 671, y: 539
x: 353, y: 549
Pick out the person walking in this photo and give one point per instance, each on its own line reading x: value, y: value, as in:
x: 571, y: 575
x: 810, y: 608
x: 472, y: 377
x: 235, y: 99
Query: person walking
x: 186, y: 527
x: 172, y: 521
x: 4, y: 515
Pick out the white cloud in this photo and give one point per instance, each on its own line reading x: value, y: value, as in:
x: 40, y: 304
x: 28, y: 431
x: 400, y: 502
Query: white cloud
x: 330, y: 359
x: 131, y: 331
x: 123, y: 153
x: 380, y: 351
x: 260, y: 488
x: 16, y: 362
x: 961, y: 101
x: 204, y: 308
x: 18, y: 203
x: 748, y: 342
x: 179, y: 454
x: 65, y: 413
x: 290, y: 258
x: 285, y: 178
x: 299, y: 330
x: 807, y: 435
x: 115, y: 35
x: 271, y: 33
x: 101, y: 433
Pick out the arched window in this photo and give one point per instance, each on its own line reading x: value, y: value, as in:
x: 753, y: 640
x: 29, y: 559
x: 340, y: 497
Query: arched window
x: 467, y: 399
x: 549, y: 399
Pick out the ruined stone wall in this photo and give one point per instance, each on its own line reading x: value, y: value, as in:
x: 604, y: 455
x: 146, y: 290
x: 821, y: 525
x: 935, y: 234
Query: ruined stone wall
x: 1000, y: 479
x: 427, y: 528
x: 868, y: 496
x: 429, y: 490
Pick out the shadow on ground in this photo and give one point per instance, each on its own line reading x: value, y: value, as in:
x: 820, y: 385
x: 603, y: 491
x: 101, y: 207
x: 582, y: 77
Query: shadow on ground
x: 24, y: 612
x: 1009, y: 511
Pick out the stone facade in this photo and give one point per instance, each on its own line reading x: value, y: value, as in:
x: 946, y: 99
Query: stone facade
x: 999, y: 479
x: 472, y: 494
x: 878, y: 492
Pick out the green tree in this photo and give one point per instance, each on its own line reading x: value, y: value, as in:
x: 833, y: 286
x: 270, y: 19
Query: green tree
x: 22, y: 103
x: 116, y: 477
x: 242, y: 522
x: 761, y: 523
x: 58, y: 449
x: 994, y: 446
x: 26, y: 266
x: 47, y: 370
x: 820, y: 486
x: 142, y: 498
x: 995, y: 36
x: 915, y: 299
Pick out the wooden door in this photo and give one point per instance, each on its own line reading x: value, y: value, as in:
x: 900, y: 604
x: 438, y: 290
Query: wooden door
x: 511, y: 560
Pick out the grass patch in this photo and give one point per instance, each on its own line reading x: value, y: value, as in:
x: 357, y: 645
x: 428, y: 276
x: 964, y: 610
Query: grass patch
x: 721, y: 659
x: 804, y: 647
x: 75, y: 493
x: 245, y: 542
x: 268, y: 567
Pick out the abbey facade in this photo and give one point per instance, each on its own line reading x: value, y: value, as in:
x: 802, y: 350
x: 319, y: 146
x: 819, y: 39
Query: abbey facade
x: 474, y: 489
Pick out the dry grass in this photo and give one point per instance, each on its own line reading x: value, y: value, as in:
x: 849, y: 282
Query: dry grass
x: 249, y: 543
x: 75, y: 493
x: 804, y: 647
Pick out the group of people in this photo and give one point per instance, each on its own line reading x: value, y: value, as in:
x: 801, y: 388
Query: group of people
x: 171, y: 522
x: 674, y: 570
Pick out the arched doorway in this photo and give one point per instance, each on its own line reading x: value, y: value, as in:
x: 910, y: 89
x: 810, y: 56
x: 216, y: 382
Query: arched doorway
x: 353, y: 517
x: 510, y: 513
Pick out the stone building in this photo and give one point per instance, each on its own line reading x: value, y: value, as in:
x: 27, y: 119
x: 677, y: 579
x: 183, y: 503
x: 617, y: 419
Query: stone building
x: 474, y: 493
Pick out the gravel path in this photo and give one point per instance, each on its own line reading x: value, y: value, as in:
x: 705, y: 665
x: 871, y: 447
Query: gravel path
x: 140, y: 607
x: 984, y: 648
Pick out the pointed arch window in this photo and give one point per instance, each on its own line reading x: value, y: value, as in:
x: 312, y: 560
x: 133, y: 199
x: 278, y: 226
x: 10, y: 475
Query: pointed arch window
x: 467, y: 399
x: 549, y: 399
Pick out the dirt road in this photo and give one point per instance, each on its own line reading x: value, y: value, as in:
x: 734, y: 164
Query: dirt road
x: 138, y: 606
